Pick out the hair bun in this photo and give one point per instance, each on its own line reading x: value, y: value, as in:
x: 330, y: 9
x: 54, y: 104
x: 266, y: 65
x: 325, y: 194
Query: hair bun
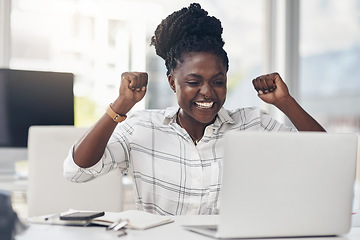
x: 188, y: 23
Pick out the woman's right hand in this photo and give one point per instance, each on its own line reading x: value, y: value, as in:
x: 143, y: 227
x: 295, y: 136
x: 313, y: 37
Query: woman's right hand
x: 132, y: 89
x: 89, y: 150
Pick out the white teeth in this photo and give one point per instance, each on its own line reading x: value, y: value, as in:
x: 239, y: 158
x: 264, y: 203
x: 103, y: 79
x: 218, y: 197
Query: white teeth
x: 204, y: 104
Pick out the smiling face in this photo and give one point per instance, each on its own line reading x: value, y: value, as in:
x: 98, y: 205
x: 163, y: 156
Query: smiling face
x: 200, y: 86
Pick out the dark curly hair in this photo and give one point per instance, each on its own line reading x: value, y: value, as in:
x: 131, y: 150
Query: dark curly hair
x: 185, y: 31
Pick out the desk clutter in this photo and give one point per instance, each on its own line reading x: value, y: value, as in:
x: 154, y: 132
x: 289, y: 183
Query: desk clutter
x: 131, y: 219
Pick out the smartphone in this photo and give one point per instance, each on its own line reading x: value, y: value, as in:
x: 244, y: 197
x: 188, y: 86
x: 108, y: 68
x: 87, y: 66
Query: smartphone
x: 81, y: 216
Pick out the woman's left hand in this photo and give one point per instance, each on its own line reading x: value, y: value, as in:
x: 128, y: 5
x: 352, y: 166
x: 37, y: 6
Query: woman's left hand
x: 271, y: 88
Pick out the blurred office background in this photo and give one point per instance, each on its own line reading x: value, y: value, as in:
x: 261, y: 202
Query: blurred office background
x: 313, y: 44
x: 98, y: 40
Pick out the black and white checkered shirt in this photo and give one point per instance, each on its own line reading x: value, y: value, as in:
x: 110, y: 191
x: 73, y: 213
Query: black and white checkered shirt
x: 172, y: 175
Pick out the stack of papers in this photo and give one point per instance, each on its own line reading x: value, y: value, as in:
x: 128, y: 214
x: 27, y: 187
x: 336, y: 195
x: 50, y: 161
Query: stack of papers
x: 136, y: 219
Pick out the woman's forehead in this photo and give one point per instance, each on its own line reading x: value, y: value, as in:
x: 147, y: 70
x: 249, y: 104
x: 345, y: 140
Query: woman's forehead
x: 197, y: 61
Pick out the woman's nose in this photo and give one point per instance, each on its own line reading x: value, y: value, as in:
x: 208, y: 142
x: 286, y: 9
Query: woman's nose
x: 205, y: 90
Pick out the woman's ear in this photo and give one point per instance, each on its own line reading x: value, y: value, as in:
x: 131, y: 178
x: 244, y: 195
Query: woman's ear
x: 172, y: 82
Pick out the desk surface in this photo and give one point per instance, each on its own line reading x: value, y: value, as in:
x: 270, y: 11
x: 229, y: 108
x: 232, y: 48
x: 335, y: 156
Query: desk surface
x: 172, y: 231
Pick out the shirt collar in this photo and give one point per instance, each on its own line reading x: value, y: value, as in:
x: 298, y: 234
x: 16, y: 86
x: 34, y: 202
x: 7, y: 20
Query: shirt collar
x: 170, y: 114
x: 222, y: 117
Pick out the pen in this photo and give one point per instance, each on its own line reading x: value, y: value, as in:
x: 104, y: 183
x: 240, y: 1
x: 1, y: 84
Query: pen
x: 111, y: 226
x: 120, y: 225
x: 122, y: 233
x: 117, y: 225
x: 52, y: 216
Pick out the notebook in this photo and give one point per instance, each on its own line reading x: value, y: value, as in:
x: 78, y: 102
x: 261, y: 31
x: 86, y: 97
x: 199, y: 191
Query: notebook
x: 285, y: 185
x: 138, y: 220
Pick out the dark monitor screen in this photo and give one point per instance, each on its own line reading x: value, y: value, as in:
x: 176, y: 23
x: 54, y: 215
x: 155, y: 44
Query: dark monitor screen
x: 33, y: 98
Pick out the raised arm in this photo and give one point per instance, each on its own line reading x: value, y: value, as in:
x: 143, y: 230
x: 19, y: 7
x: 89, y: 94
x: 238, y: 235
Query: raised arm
x: 272, y: 89
x: 90, y: 148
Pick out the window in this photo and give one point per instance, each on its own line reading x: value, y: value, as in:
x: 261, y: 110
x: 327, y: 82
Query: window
x: 330, y: 58
x: 98, y: 40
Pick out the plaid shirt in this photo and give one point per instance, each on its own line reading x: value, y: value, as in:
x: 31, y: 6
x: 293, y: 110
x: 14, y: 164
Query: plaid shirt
x: 171, y: 174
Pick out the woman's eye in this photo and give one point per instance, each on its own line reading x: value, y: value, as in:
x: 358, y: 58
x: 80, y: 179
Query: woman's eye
x: 219, y: 82
x: 193, y: 82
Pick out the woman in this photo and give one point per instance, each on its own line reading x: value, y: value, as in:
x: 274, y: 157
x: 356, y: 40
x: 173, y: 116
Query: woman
x: 175, y: 155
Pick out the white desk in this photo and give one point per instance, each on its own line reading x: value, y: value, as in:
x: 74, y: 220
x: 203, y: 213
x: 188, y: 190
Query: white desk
x: 171, y: 231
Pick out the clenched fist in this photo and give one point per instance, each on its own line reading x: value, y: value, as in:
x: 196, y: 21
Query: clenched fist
x: 133, y: 86
x: 271, y: 88
x: 132, y: 89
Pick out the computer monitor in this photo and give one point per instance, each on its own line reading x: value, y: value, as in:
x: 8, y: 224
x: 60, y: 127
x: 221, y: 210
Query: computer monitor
x: 33, y: 98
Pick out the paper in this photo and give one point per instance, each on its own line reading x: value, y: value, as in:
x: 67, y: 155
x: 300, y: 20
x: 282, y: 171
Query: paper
x: 137, y: 219
x: 55, y: 219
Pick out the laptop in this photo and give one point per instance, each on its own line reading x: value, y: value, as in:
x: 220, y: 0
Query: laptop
x: 285, y: 185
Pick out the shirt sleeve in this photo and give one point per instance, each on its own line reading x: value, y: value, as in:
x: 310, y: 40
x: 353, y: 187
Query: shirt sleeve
x: 106, y: 164
x: 116, y: 155
x: 270, y: 124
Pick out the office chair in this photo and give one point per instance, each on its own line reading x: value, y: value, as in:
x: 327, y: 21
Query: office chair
x: 49, y: 192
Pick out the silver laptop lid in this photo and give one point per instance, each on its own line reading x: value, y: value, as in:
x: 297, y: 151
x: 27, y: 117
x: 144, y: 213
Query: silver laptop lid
x: 287, y: 184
